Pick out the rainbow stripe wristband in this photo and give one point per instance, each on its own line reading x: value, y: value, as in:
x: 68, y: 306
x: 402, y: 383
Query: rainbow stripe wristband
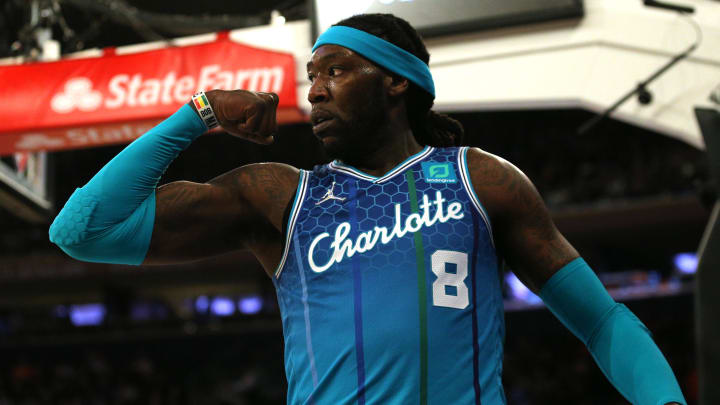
x: 205, y: 110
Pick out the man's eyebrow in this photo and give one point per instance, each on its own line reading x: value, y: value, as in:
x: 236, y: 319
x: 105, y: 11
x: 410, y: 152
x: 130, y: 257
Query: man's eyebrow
x: 328, y: 56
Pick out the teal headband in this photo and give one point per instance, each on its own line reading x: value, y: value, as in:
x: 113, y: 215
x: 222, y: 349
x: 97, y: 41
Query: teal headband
x: 385, y: 54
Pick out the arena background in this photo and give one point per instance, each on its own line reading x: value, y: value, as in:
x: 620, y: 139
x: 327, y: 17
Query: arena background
x: 633, y: 192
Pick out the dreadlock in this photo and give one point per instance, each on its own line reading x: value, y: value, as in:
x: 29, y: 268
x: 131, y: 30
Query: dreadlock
x: 428, y: 127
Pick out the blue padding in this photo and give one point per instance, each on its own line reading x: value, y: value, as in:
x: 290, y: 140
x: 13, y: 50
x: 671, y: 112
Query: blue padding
x: 123, y: 243
x: 620, y: 344
x: 111, y: 218
x: 385, y: 54
x: 581, y: 307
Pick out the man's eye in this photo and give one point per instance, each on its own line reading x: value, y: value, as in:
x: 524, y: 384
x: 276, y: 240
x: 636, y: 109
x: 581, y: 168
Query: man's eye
x: 334, y: 71
x: 311, y: 78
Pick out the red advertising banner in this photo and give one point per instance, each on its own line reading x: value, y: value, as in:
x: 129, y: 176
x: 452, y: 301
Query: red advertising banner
x: 116, y: 98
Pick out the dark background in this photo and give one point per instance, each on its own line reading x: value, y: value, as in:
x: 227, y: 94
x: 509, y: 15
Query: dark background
x: 629, y: 199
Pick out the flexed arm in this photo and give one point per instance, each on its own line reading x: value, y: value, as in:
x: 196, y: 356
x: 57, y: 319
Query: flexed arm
x: 544, y: 260
x: 111, y: 219
x: 242, y: 208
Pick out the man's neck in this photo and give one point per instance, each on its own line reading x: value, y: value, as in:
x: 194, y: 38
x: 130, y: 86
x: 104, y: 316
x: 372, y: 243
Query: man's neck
x: 386, y: 157
x: 399, y: 144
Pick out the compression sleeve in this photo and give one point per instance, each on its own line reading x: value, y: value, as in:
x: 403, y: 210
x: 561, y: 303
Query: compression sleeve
x: 618, y: 341
x: 111, y: 218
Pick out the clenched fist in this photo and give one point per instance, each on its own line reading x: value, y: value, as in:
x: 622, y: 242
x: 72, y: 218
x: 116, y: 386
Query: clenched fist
x: 246, y: 114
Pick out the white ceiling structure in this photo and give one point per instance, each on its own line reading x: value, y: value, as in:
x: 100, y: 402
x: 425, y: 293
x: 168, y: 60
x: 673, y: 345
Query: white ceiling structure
x: 589, y: 63
x: 585, y: 63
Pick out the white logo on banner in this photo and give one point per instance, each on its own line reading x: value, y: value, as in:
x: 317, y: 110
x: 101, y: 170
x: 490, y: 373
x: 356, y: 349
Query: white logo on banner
x: 125, y: 90
x: 78, y: 93
x: 38, y: 141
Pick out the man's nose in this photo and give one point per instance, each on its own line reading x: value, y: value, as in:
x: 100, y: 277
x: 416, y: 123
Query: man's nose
x: 318, y: 92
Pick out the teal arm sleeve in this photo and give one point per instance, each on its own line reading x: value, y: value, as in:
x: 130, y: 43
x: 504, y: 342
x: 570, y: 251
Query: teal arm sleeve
x: 111, y: 218
x: 618, y: 341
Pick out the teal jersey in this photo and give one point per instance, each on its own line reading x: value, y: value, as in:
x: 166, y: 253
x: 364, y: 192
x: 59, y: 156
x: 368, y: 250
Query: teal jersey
x: 389, y: 289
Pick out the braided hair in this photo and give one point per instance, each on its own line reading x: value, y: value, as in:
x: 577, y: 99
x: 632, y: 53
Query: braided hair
x: 428, y: 127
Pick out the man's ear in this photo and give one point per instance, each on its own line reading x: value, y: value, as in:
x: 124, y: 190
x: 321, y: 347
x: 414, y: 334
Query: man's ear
x: 398, y: 86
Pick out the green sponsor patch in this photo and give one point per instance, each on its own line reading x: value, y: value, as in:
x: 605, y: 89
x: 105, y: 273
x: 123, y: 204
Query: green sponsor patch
x: 435, y: 172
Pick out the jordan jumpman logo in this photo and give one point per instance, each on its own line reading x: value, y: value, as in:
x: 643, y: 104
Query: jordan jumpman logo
x: 330, y: 196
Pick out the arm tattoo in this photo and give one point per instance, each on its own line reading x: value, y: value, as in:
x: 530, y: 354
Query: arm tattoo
x: 525, y: 233
x: 235, y: 210
x: 271, y: 189
x: 269, y: 184
x: 170, y: 197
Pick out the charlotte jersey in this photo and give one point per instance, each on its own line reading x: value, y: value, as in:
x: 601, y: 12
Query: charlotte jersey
x: 389, y: 289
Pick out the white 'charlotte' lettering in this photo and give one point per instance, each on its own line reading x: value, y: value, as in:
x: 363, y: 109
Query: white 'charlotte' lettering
x: 315, y: 267
x: 343, y: 247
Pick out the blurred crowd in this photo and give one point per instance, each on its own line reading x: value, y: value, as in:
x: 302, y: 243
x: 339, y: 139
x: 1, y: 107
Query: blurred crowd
x: 553, y: 367
x: 544, y: 364
x: 615, y: 162
x: 219, y: 372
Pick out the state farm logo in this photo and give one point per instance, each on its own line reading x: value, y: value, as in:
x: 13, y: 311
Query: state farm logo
x: 78, y: 93
x: 34, y: 141
x: 138, y: 90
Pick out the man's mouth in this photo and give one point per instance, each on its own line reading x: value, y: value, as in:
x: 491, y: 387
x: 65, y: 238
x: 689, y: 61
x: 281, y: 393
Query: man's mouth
x: 321, y: 124
x: 320, y: 121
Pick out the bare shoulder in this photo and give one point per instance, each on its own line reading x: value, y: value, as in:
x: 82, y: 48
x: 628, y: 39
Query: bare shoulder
x: 500, y: 184
x: 524, y: 232
x: 267, y: 188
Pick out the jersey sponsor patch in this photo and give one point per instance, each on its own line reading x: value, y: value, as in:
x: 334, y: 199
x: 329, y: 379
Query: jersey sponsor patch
x: 439, y: 172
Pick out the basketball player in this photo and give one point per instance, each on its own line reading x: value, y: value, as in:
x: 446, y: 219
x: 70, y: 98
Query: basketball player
x: 385, y: 261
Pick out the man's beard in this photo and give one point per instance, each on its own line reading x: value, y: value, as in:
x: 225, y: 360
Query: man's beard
x: 360, y: 135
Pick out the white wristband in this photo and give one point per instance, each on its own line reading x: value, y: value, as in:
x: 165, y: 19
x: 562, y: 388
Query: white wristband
x: 205, y: 110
